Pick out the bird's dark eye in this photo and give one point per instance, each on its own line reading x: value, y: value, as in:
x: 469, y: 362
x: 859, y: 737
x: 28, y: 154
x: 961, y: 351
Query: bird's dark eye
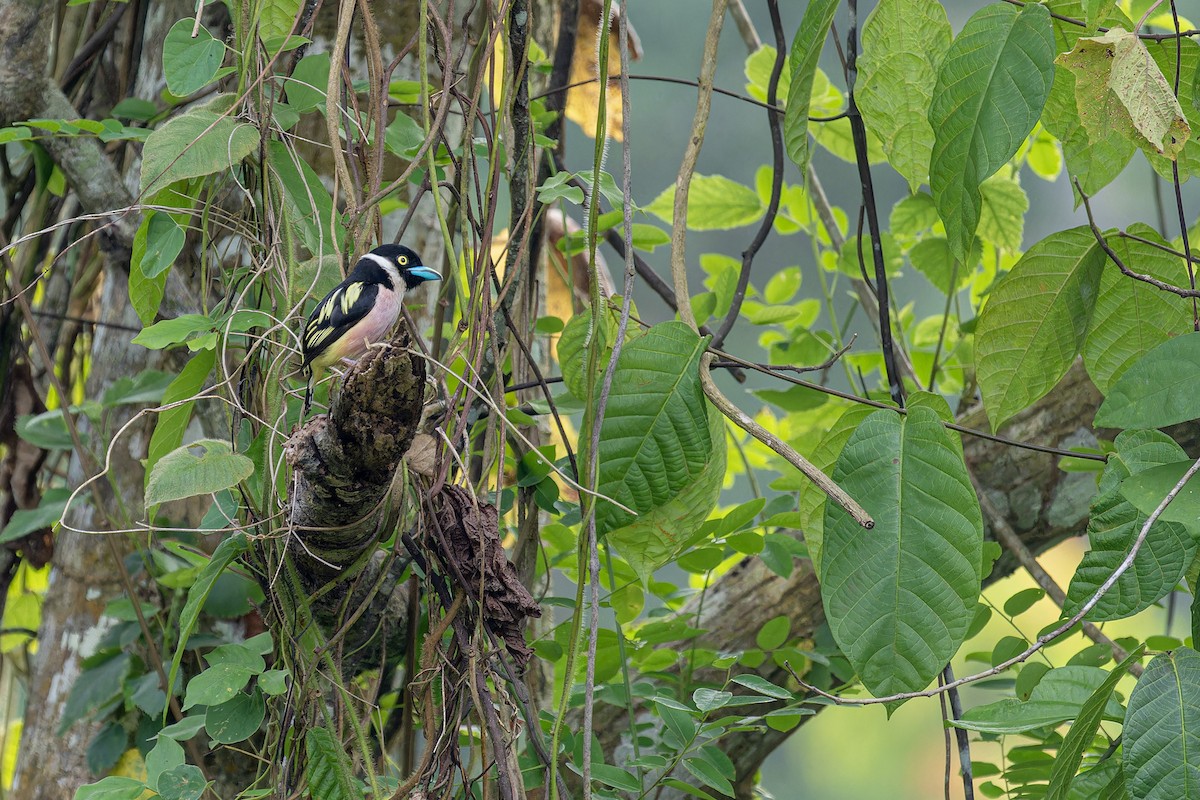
x: 402, y: 260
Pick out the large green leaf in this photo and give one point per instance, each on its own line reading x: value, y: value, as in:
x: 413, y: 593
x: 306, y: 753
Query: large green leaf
x: 307, y: 204
x: 201, y: 141
x: 715, y: 203
x: 1162, y: 729
x: 190, y: 63
x: 1059, y: 696
x: 806, y: 50
x: 1131, y: 318
x: 1161, y: 388
x: 1083, y: 730
x: 655, y: 537
x: 182, y: 473
x: 662, y: 450
x: 900, y: 597
x: 329, y: 775
x: 990, y: 91
x: 1035, y: 321
x: 903, y: 44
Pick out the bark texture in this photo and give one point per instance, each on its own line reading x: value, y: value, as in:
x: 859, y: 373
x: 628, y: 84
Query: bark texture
x: 344, y: 464
x: 85, y: 575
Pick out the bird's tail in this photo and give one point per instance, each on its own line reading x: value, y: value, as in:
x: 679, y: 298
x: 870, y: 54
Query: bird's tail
x: 308, y: 392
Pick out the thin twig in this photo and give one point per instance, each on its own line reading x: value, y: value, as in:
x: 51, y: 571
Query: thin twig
x: 1116, y: 259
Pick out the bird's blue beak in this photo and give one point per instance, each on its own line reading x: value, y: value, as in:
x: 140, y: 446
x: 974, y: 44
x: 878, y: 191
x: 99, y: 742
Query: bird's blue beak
x: 425, y: 273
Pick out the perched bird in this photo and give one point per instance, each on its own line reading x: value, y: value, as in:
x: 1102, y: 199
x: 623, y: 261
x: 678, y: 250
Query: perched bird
x: 360, y: 310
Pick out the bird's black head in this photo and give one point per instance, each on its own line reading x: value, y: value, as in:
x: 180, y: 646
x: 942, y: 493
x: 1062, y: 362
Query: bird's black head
x: 407, y: 263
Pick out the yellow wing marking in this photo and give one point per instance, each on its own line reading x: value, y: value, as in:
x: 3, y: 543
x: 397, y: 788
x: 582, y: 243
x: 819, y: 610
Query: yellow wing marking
x: 327, y: 310
x: 350, y: 296
x: 316, y: 334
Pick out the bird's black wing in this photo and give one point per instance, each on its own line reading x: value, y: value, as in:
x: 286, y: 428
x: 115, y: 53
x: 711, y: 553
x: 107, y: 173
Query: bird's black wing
x: 336, y: 314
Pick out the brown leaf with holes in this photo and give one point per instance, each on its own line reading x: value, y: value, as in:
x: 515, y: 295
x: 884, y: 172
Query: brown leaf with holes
x: 466, y: 538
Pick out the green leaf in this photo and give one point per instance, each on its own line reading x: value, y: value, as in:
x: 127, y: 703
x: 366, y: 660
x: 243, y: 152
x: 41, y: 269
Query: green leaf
x: 1157, y: 569
x: 1035, y: 321
x: 1146, y: 489
x: 273, y: 682
x: 190, y: 63
x: 1095, y: 162
x: 774, y: 633
x: 710, y: 699
x: 1159, y: 389
x: 1083, y: 731
x: 662, y: 448
x: 763, y: 686
x: 174, y: 331
x: 183, y: 730
x: 112, y: 788
x: 226, y: 552
x: 164, y: 242
x: 276, y: 18
x: 1058, y: 697
x: 181, y: 473
x: 166, y: 755
x: 572, y: 354
x: 758, y: 67
x: 1002, y: 212
x: 307, y: 204
x: 236, y: 719
x: 932, y: 258
x: 404, y: 136
x: 168, y: 432
x: 306, y: 88
x: 1131, y: 317
x: 715, y: 203
x: 1161, y: 758
x: 707, y: 773
x: 990, y: 91
x: 903, y: 44
x: 615, y: 777
x: 201, y: 141
x: 328, y: 773
x: 805, y: 52
x: 1118, y: 85
x: 215, y: 685
x: 25, y: 521
x: 900, y: 597
x: 184, y: 782
x: 145, y: 292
